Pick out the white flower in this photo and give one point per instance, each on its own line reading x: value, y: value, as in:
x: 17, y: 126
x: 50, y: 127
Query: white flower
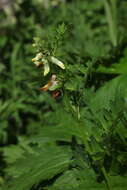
x: 51, y: 85
x: 37, y: 63
x: 57, y: 62
x: 37, y: 57
x: 46, y: 67
x: 39, y: 60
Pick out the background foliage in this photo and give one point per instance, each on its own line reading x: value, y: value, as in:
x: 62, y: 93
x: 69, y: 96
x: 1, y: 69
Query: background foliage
x: 79, y: 139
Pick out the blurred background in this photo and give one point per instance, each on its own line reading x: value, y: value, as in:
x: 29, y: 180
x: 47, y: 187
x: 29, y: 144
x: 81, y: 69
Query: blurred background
x: 94, y: 31
x: 95, y: 28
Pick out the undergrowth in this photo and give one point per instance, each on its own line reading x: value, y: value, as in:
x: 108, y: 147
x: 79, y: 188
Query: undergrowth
x: 63, y: 95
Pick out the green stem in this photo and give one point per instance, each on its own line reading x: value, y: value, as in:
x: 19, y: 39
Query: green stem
x: 106, y: 177
x: 110, y: 10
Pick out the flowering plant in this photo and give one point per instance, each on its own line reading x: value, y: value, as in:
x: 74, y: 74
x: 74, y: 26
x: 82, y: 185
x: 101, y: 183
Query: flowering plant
x: 46, y: 59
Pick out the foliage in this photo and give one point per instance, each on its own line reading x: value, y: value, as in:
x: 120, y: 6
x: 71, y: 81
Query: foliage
x: 63, y: 120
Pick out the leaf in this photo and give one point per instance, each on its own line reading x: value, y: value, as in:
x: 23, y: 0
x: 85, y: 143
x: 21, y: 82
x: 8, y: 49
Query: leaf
x: 63, y: 129
x: 86, y: 179
x: 61, y: 29
x: 110, y: 92
x: 78, y: 179
x: 115, y: 68
x: 110, y: 13
x: 38, y: 167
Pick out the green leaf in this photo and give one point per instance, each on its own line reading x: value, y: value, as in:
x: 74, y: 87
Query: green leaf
x: 38, y: 167
x: 112, y: 91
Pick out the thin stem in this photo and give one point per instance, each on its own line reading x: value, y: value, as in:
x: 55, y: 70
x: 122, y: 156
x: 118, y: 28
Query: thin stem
x: 110, y: 10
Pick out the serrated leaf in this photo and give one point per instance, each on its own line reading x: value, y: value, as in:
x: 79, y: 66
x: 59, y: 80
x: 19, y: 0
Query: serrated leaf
x: 38, y: 167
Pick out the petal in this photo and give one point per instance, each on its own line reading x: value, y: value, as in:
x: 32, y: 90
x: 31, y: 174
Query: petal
x: 45, y: 87
x: 37, y: 63
x: 54, y: 86
x: 56, y: 94
x: 34, y: 59
x: 39, y: 56
x: 46, y: 68
x: 57, y: 62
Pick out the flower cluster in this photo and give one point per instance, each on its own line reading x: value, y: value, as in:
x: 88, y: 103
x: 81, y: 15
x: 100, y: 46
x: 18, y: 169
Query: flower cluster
x: 52, y: 84
x: 42, y: 60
